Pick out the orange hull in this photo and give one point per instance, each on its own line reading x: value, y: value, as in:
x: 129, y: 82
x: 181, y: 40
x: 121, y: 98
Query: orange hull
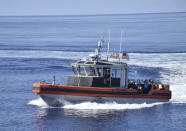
x: 98, y: 92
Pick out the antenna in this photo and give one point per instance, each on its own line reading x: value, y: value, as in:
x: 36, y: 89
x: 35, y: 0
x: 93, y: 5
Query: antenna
x: 102, y: 39
x: 121, y: 41
x: 120, y: 44
x: 108, y: 46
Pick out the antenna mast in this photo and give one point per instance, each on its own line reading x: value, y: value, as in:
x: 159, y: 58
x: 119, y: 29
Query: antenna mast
x: 108, y: 46
x: 121, y: 41
x: 120, y: 44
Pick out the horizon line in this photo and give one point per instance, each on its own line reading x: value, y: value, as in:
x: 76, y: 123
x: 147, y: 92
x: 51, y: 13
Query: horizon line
x: 93, y: 14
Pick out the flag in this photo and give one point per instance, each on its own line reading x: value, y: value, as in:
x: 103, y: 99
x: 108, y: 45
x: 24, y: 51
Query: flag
x: 114, y: 55
x: 125, y: 56
x: 122, y: 55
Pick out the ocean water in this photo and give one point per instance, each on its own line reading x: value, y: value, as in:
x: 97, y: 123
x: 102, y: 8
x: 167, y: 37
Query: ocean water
x: 34, y: 48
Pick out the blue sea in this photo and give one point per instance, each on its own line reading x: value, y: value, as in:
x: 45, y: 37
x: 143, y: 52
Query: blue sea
x: 35, y: 48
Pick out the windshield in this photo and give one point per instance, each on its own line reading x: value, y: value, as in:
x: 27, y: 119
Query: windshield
x: 74, y: 70
x: 90, y: 71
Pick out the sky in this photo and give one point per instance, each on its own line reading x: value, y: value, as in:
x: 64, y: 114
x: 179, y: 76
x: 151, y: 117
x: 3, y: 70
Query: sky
x: 85, y: 7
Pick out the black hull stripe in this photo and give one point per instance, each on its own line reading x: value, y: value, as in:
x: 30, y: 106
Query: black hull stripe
x: 95, y: 92
x: 161, y: 94
x: 85, y: 91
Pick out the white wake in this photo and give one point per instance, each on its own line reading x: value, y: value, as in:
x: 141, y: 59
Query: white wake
x: 178, y: 94
x: 108, y: 106
x: 94, y: 106
x: 38, y: 102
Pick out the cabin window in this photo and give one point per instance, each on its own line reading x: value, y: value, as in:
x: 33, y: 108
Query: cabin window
x: 81, y: 70
x: 90, y: 71
x: 116, y: 73
x: 106, y: 76
x: 99, y: 71
x: 106, y: 72
x: 74, y: 70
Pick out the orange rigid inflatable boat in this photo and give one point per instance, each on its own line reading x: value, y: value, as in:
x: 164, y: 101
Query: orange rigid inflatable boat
x: 100, y: 80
